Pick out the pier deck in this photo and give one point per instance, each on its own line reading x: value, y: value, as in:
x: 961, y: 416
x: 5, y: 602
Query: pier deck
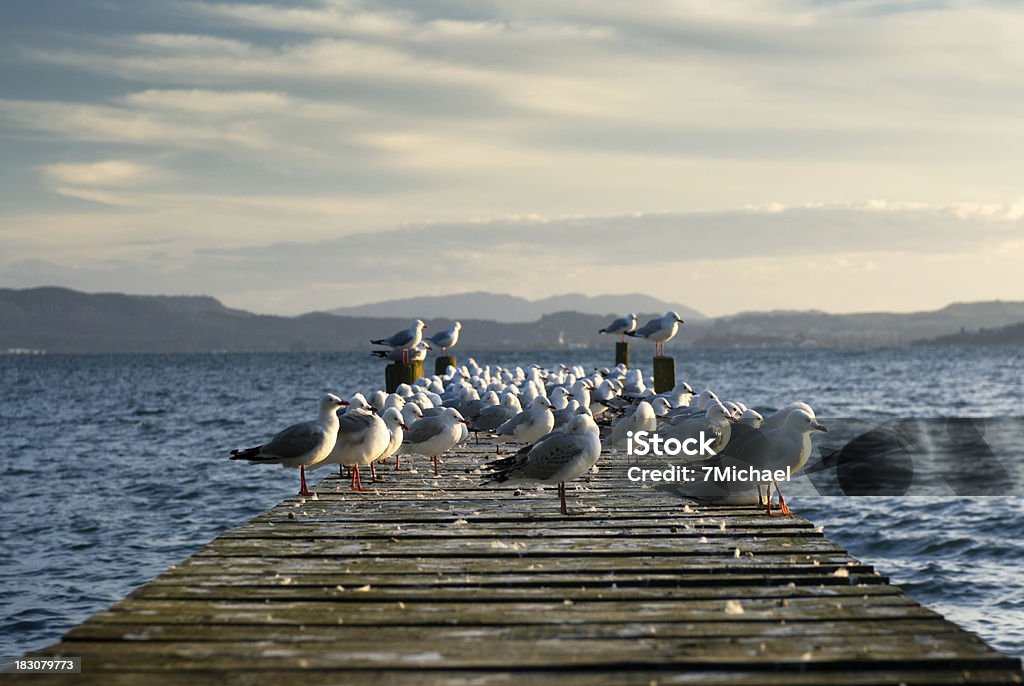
x: 444, y: 581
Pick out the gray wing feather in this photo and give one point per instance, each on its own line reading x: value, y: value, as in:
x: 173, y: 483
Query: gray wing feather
x: 422, y: 431
x: 618, y: 325
x: 648, y: 328
x: 509, y: 427
x: 492, y: 417
x: 295, y: 441
x: 401, y: 338
x: 548, y: 457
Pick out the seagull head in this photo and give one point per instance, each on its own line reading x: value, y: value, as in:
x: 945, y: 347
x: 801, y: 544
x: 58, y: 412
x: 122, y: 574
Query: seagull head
x: 804, y: 422
x: 331, y: 402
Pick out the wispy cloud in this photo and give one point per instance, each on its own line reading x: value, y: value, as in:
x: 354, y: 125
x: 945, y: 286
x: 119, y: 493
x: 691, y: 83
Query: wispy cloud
x: 102, y: 173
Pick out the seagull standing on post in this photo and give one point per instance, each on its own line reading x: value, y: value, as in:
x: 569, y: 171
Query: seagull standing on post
x: 622, y: 326
x: 659, y: 331
x: 404, y: 340
x: 448, y: 338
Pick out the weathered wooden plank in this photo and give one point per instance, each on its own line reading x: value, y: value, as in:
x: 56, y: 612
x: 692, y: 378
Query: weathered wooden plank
x: 289, y: 590
x: 636, y: 563
x: 351, y: 610
x: 882, y: 674
x: 902, y: 626
x: 499, y: 579
x: 755, y: 654
x: 509, y: 547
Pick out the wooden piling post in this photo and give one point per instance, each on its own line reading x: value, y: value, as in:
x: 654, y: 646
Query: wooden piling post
x: 398, y: 373
x: 442, y: 363
x: 664, y: 373
x: 622, y: 354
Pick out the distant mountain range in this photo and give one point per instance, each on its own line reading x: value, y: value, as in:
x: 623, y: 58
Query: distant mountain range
x: 1003, y: 335
x: 510, y: 308
x: 59, y: 320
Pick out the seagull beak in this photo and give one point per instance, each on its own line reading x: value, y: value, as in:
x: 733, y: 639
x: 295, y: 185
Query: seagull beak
x: 680, y: 320
x: 404, y: 426
x: 820, y: 427
x: 343, y: 403
x: 465, y: 421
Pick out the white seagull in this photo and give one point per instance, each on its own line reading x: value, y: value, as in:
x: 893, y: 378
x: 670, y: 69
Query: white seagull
x: 448, y: 338
x: 397, y: 427
x: 642, y: 419
x: 300, y: 445
x: 556, y: 458
x: 362, y: 438
x: 433, y: 436
x: 529, y: 425
x: 404, y: 340
x: 659, y: 331
x: 621, y: 326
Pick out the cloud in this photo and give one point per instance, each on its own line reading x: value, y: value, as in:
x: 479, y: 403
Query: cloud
x: 825, y: 257
x: 102, y: 173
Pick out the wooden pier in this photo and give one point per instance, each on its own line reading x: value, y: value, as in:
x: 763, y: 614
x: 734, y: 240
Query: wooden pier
x: 435, y: 581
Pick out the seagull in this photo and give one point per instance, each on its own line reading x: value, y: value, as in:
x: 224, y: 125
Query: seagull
x: 493, y: 416
x: 300, y: 445
x: 777, y: 418
x: 404, y: 340
x: 716, y: 421
x: 415, y: 354
x: 557, y: 457
x: 435, y: 435
x: 448, y: 338
x: 397, y: 428
x: 529, y: 425
x: 621, y: 326
x: 642, y: 419
x: 788, y: 445
x: 659, y: 331
x: 362, y: 438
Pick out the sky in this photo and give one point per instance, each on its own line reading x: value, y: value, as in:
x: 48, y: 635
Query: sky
x: 840, y: 155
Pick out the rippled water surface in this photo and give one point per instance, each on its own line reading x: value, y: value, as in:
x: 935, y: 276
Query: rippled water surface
x: 115, y: 467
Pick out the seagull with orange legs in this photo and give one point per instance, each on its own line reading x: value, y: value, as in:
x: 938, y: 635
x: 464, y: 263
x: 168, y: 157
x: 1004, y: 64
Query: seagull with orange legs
x: 397, y: 428
x: 558, y: 457
x: 659, y: 331
x: 301, y: 445
x: 435, y: 435
x: 362, y: 438
x: 404, y: 340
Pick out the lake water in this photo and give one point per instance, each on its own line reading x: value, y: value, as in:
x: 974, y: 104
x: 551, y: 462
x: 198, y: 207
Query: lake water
x: 115, y: 466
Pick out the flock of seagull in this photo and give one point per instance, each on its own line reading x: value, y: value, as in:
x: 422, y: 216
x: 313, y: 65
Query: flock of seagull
x: 561, y: 417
